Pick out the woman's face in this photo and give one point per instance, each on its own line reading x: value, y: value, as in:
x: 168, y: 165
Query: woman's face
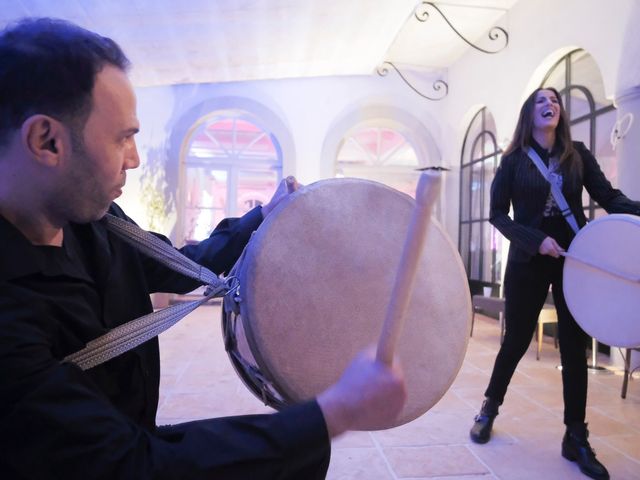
x: 546, y: 110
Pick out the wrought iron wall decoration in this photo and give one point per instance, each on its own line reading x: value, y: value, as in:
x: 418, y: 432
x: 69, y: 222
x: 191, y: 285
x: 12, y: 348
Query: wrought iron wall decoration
x: 620, y: 129
x: 438, y: 85
x: 422, y: 14
x: 495, y: 33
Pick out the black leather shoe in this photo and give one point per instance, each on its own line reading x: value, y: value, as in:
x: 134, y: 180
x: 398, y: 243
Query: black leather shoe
x: 575, y: 447
x: 481, y: 430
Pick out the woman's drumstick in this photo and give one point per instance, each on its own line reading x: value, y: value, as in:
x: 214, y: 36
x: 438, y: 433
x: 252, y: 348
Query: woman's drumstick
x: 603, y: 268
x: 426, y: 194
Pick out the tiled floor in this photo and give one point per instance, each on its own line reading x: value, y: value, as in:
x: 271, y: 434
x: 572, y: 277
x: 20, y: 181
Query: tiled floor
x: 199, y: 382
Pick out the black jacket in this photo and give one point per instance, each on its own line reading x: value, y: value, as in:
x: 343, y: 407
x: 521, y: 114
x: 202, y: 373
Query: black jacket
x: 57, y: 421
x: 519, y: 182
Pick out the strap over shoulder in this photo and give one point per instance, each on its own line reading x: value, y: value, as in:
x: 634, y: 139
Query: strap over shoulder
x: 135, y: 332
x: 555, y: 190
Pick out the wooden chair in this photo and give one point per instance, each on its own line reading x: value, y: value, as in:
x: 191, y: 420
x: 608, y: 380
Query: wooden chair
x: 490, y: 305
x: 547, y: 315
x: 495, y: 306
x: 627, y: 370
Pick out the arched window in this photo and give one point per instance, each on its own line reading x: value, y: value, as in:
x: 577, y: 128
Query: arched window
x: 577, y: 78
x: 378, y: 153
x: 479, y: 242
x: 231, y: 166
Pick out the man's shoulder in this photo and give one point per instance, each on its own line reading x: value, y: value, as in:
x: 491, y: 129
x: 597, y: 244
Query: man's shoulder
x: 17, y: 255
x: 117, y: 211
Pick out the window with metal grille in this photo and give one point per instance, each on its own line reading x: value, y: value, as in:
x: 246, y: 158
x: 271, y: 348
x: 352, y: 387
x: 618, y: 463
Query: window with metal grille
x: 478, y: 241
x: 577, y: 78
x: 381, y: 154
x: 231, y: 166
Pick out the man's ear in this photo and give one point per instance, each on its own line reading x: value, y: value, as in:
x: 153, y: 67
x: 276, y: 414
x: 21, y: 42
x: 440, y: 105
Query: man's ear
x: 44, y: 138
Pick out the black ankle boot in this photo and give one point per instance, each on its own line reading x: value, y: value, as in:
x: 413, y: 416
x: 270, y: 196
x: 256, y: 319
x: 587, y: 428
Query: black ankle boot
x: 575, y: 447
x: 481, y: 430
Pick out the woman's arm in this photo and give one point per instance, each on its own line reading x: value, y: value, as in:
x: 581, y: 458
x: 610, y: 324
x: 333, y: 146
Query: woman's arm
x: 600, y: 189
x: 524, y: 237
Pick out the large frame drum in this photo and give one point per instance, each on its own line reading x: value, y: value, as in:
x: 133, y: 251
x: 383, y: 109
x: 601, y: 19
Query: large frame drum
x: 603, y: 291
x: 313, y: 287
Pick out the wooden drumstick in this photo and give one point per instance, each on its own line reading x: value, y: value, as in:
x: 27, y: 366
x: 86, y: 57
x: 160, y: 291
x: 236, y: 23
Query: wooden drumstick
x: 603, y: 268
x: 426, y: 194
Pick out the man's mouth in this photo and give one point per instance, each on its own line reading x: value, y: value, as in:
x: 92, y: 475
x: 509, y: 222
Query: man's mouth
x: 118, y: 190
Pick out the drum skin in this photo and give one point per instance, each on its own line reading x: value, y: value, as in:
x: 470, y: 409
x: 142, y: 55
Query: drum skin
x: 316, y: 279
x: 606, y: 306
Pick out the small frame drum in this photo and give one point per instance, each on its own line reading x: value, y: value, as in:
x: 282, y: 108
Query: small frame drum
x: 603, y: 291
x: 313, y: 287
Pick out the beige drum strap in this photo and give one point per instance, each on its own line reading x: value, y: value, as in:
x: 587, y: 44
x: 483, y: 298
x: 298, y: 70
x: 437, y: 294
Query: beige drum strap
x: 135, y: 332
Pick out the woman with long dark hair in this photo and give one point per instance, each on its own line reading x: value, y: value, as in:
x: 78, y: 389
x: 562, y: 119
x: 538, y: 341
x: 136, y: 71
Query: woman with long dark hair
x: 538, y: 234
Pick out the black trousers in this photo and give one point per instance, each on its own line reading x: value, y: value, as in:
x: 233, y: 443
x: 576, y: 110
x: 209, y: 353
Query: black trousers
x: 525, y: 288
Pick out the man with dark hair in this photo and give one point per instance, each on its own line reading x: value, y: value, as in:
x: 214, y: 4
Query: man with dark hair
x: 49, y: 66
x: 67, y: 129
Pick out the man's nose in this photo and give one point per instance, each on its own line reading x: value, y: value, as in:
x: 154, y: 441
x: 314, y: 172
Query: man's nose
x: 132, y: 159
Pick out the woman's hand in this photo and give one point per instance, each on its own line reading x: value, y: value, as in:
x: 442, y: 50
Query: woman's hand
x: 550, y: 247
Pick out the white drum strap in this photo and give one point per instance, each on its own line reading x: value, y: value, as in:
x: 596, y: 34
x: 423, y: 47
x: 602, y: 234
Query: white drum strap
x: 555, y: 190
x: 133, y: 333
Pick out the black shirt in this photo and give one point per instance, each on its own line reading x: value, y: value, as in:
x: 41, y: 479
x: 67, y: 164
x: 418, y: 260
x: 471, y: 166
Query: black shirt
x: 57, y: 421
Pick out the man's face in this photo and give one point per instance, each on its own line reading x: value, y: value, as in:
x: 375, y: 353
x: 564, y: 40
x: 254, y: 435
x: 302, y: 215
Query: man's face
x: 97, y: 165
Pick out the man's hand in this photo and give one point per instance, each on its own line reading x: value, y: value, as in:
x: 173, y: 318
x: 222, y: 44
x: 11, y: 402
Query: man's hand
x: 550, y: 247
x: 368, y: 396
x: 286, y: 186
